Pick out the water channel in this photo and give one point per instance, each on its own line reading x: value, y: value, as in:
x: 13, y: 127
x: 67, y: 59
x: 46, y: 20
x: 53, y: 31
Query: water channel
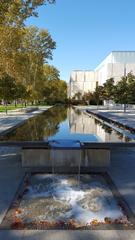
x: 69, y: 201
x: 65, y: 123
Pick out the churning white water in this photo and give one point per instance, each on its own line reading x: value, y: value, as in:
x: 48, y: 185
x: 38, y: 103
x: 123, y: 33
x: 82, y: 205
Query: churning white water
x: 63, y: 197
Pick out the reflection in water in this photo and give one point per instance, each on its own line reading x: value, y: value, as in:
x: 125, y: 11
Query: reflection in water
x: 39, y: 127
x: 85, y: 124
x: 65, y: 123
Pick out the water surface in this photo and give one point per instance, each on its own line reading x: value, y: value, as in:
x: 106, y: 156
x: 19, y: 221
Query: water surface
x: 65, y: 123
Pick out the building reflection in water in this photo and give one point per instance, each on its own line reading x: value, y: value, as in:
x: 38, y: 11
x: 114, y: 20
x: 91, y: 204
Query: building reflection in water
x: 82, y: 123
x: 64, y: 123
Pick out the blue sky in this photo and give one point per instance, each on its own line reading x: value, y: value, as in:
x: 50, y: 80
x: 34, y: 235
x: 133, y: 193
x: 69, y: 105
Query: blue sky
x: 86, y: 31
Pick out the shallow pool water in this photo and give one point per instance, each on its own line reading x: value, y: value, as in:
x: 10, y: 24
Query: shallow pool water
x: 65, y: 123
x: 57, y: 201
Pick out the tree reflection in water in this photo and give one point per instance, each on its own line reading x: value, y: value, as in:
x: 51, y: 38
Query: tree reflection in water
x: 40, y: 127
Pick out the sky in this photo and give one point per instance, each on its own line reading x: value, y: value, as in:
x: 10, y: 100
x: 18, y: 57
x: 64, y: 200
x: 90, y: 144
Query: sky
x: 86, y: 31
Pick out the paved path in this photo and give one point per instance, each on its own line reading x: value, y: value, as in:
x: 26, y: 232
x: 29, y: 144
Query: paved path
x: 122, y: 172
x: 11, y: 174
x: 67, y: 235
x: 17, y: 117
x: 126, y: 119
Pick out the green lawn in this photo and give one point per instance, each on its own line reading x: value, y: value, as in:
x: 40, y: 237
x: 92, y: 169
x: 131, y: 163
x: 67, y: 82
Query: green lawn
x: 10, y: 107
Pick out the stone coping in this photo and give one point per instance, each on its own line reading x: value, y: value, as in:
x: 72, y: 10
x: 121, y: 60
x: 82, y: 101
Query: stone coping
x: 110, y: 120
x: 84, y: 145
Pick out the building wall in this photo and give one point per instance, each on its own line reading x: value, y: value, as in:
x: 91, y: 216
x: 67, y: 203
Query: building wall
x: 115, y: 65
x: 81, y: 81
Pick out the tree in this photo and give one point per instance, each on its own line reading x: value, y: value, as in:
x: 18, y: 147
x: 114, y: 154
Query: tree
x: 87, y: 97
x: 131, y: 88
x: 62, y: 91
x: 78, y: 96
x: 37, y: 48
x: 54, y: 90
x: 21, y: 93
x: 108, y: 90
x: 25, y: 62
x: 23, y: 50
x: 98, y: 94
x: 121, y: 92
x: 14, y: 13
x: 10, y: 50
x: 51, y: 73
x: 7, y: 89
x: 124, y: 90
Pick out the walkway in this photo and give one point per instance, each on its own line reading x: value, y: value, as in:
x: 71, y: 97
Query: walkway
x: 118, y: 116
x: 16, y: 118
x: 67, y: 235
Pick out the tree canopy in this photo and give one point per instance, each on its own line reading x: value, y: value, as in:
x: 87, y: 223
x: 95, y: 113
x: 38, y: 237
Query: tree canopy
x: 54, y: 89
x: 25, y: 52
x: 15, y: 12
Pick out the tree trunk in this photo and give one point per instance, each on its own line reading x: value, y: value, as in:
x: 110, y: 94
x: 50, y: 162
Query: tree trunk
x: 6, y: 107
x: 125, y: 105
x: 108, y: 106
x: 15, y: 104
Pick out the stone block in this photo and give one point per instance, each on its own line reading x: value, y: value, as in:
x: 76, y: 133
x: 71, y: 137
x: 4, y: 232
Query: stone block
x: 62, y: 157
x: 36, y: 158
x: 50, y: 157
x: 98, y: 157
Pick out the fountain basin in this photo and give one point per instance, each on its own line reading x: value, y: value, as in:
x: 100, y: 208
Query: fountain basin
x: 59, y: 201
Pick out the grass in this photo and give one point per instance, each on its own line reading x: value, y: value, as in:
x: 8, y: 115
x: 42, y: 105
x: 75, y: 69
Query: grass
x: 10, y: 107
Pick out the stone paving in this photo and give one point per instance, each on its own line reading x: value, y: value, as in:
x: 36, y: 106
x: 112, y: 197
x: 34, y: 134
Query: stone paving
x: 14, y: 118
x: 126, y: 119
x: 67, y: 235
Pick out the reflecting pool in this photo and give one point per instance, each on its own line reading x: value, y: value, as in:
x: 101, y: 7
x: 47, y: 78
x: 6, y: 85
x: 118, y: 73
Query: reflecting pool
x: 66, y: 123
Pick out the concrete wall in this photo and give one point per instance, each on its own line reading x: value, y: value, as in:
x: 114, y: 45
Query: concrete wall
x: 43, y: 158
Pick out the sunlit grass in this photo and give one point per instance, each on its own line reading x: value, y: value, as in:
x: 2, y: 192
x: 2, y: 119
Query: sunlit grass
x: 10, y: 107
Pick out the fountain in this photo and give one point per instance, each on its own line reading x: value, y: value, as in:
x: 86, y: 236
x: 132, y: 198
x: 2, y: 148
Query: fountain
x: 68, y: 200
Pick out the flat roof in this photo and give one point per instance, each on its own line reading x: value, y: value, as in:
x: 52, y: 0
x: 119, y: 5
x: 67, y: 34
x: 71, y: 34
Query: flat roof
x: 98, y: 66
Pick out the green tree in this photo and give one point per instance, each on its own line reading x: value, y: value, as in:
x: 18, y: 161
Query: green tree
x: 37, y: 49
x: 87, y: 97
x: 7, y: 89
x: 121, y: 92
x: 20, y: 93
x: 108, y: 90
x: 15, y: 12
x: 23, y: 50
x: 78, y: 96
x: 54, y: 90
x: 98, y: 94
x: 50, y: 73
x: 131, y: 88
x: 10, y: 50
